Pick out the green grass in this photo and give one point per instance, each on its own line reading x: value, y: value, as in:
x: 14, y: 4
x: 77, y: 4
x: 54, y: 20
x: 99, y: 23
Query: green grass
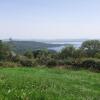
x: 48, y: 84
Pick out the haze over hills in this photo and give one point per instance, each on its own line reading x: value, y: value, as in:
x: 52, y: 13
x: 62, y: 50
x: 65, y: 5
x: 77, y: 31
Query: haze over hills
x: 23, y: 46
x: 57, y: 44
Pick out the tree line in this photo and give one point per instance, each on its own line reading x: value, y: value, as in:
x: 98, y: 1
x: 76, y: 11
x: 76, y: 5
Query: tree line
x: 87, y: 56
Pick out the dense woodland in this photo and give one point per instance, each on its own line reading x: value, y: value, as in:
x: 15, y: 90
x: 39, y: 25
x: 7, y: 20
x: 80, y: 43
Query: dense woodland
x: 87, y: 56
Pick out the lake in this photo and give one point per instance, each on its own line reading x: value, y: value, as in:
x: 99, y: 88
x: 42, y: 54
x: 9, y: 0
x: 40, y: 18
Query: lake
x: 75, y: 43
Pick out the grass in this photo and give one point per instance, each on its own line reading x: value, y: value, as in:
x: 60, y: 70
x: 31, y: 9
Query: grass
x: 48, y: 84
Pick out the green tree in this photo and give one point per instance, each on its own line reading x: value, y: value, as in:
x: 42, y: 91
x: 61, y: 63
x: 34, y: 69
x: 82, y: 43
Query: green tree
x: 29, y: 54
x: 78, y: 53
x: 67, y: 52
x: 4, y: 50
x: 91, y: 47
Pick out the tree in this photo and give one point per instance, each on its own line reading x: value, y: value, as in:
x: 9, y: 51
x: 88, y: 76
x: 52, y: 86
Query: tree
x: 29, y: 54
x: 91, y: 47
x: 67, y: 52
x: 4, y: 50
x: 78, y: 53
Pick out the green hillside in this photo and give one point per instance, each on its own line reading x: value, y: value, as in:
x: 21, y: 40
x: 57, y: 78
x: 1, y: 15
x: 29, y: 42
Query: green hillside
x: 22, y: 46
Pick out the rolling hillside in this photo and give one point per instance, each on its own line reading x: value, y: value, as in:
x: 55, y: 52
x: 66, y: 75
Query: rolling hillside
x: 22, y: 46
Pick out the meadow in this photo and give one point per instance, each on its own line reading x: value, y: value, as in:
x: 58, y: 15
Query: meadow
x: 48, y: 84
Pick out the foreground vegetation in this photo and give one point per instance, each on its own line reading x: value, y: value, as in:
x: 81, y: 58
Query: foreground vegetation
x: 28, y: 82
x: 48, y: 84
x: 87, y: 56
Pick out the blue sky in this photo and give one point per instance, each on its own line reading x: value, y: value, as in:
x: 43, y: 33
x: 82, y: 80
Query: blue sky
x: 49, y: 19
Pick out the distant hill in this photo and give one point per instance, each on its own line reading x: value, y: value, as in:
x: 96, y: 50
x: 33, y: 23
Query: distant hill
x: 23, y: 46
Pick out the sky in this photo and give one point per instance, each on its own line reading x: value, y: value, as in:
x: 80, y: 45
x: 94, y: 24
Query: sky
x: 50, y: 19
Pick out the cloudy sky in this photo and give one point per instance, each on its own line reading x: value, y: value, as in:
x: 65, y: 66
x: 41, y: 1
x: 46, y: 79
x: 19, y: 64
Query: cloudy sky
x: 49, y: 19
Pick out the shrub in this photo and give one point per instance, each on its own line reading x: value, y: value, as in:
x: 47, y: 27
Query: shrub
x: 42, y: 60
x: 69, y: 61
x: 60, y: 62
x: 28, y: 54
x: 97, y: 55
x: 88, y: 63
x: 51, y: 63
x: 16, y: 58
x: 97, y: 65
x: 28, y: 63
x: 8, y: 64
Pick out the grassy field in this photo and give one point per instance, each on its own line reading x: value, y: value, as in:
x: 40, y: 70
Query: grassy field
x: 48, y: 84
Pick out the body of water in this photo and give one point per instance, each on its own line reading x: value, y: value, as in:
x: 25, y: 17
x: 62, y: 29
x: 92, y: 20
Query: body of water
x: 76, y: 44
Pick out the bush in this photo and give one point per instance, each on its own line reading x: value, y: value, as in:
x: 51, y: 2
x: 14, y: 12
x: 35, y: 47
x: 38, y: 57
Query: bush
x: 16, y: 58
x: 28, y: 63
x: 51, y: 63
x: 97, y: 65
x: 97, y: 55
x: 69, y: 61
x: 60, y: 63
x: 9, y: 64
x: 42, y: 60
x: 88, y: 63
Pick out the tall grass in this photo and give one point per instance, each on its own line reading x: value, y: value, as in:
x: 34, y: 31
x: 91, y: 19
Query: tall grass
x: 48, y: 84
